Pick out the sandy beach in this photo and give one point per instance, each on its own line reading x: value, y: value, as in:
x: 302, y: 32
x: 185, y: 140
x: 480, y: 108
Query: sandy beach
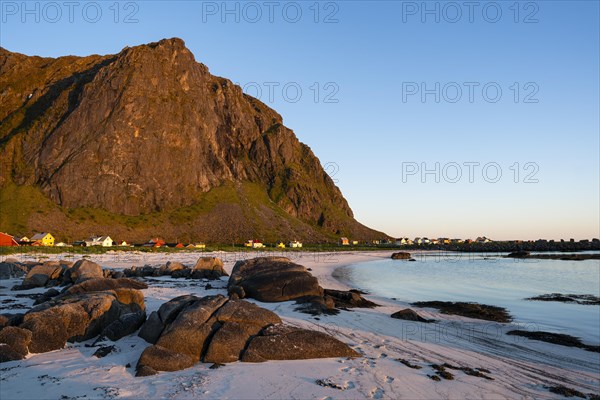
x: 519, y: 368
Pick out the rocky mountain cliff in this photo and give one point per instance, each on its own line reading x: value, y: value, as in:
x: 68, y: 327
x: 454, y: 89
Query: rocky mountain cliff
x: 148, y: 142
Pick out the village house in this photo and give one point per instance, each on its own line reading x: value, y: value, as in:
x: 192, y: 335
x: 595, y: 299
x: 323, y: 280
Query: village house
x: 155, y: 242
x: 295, y: 244
x: 42, y: 239
x: 104, y: 241
x: 344, y: 241
x: 255, y: 244
x: 403, y: 241
x: 7, y: 240
x: 281, y: 245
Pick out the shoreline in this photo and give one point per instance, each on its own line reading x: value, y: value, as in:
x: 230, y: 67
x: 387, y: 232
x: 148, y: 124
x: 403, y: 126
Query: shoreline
x: 519, y: 367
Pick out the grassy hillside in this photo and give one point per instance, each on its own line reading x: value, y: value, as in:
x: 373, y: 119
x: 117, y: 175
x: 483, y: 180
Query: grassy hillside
x: 228, y: 214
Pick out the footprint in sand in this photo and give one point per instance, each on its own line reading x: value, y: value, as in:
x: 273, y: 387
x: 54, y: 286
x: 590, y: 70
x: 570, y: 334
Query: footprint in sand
x: 376, y: 393
x: 389, y: 379
x: 349, y: 385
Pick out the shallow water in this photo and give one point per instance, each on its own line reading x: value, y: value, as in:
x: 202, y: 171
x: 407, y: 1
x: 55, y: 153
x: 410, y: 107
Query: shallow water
x: 490, y: 280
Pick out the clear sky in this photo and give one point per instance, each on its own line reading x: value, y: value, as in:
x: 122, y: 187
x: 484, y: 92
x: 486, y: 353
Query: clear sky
x: 393, y: 89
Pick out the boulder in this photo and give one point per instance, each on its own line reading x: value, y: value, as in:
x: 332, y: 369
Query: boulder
x: 162, y: 359
x: 151, y: 329
x: 173, y: 266
x: 78, y: 317
x: 40, y: 275
x: 4, y: 319
x: 188, y: 332
x: 216, y: 330
x: 409, y: 315
x: 125, y: 325
x: 401, y: 255
x: 246, y: 313
x: 49, y: 294
x: 85, y: 269
x: 11, y: 268
x: 281, y: 342
x: 8, y: 354
x: 272, y: 279
x: 229, y: 341
x: 18, y: 339
x: 102, y: 284
x: 167, y: 312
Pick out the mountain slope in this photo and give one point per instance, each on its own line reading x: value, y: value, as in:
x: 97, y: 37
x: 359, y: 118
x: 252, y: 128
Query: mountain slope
x: 149, y: 142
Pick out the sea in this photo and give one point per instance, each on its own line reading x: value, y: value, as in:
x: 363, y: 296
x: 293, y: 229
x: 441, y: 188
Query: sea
x: 490, y: 279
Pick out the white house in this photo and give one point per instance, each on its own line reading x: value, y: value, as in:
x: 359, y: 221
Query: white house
x: 295, y: 244
x: 104, y: 241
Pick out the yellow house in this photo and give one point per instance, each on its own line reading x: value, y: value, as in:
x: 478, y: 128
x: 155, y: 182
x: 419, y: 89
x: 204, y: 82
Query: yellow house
x: 344, y: 241
x: 45, y: 239
x: 281, y: 245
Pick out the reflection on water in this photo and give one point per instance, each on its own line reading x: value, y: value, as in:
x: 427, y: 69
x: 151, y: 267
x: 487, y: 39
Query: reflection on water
x: 491, y: 280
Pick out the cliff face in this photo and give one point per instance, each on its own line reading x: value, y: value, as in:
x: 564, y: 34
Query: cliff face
x: 150, y: 130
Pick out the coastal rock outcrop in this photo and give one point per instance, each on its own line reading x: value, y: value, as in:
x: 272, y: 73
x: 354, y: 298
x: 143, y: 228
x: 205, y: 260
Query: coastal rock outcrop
x: 272, y: 279
x: 205, y: 268
x: 214, y: 329
x: 78, y: 317
x: 409, y: 315
x: 401, y: 255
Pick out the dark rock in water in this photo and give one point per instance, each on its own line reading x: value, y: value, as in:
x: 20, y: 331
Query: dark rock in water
x: 217, y: 330
x: 470, y: 310
x: 434, y: 378
x: 281, y: 342
x: 478, y: 372
x: 412, y: 259
x: 410, y: 315
x: 273, y: 279
x: 104, y: 351
x: 555, y: 338
x: 519, y: 254
x: 584, y: 299
x: 17, y: 339
x: 401, y: 255
x: 8, y: 354
x: 125, y: 325
x: 216, y: 366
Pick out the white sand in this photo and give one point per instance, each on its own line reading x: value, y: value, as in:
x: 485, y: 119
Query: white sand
x: 520, y: 367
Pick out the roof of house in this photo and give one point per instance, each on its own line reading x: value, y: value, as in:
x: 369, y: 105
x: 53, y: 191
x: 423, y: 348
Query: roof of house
x: 39, y: 236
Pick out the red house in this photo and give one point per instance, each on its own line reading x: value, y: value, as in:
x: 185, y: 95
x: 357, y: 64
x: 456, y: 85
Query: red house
x: 7, y: 240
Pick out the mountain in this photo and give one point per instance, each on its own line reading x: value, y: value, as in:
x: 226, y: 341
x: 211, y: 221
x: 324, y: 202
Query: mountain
x: 147, y: 142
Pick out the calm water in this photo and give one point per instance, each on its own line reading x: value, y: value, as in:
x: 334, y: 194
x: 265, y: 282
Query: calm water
x: 495, y: 281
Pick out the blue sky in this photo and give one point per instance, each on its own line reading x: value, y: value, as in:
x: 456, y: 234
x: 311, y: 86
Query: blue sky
x: 362, y: 68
